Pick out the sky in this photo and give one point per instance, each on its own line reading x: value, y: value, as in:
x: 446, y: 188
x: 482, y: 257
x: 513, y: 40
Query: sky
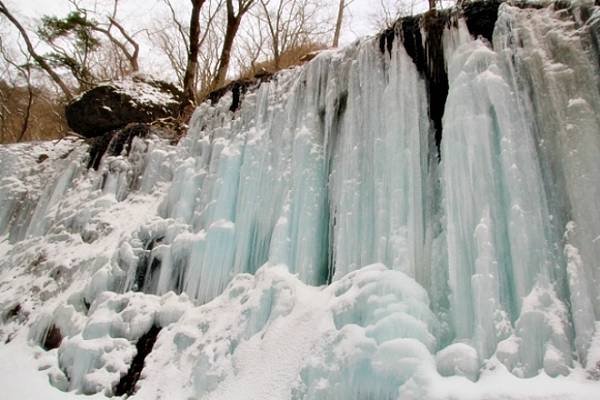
x: 358, y: 22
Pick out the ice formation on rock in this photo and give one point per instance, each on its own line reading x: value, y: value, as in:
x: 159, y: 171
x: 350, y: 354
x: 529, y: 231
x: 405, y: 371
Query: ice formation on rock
x: 322, y: 242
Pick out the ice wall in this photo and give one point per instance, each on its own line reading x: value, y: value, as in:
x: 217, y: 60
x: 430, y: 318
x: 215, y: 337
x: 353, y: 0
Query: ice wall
x: 466, y: 166
x: 512, y: 193
x: 334, y: 166
x: 324, y: 169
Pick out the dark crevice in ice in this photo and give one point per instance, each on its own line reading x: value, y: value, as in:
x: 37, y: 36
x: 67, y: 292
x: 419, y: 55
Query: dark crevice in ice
x: 236, y: 92
x: 562, y: 4
x: 98, y: 147
x: 12, y: 313
x: 115, y: 142
x: 53, y: 338
x: 329, y: 271
x: 328, y: 266
x: 428, y: 56
x: 146, y: 273
x: 340, y: 107
x: 437, y: 77
x: 386, y: 40
x: 179, y: 271
x: 144, y: 345
x: 261, y: 245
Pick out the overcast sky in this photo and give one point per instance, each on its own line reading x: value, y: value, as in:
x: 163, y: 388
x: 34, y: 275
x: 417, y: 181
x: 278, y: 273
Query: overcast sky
x: 358, y: 23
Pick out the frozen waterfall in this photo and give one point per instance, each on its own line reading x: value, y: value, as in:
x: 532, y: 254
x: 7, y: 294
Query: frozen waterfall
x: 426, y: 200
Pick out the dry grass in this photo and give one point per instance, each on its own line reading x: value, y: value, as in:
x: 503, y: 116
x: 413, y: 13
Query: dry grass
x: 290, y: 58
x: 264, y: 69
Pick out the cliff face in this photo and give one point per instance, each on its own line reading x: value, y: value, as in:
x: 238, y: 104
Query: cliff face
x: 383, y: 222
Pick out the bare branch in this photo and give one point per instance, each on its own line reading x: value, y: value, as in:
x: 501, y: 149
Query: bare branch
x: 132, y: 57
x: 233, y: 24
x: 39, y: 59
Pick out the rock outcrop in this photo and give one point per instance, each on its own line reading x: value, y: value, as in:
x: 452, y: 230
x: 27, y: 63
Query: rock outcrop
x: 113, y: 105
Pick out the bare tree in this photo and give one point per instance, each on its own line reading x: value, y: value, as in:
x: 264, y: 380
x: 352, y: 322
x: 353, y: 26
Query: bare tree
x: 211, y: 44
x: 388, y: 12
x: 338, y: 23
x: 36, y: 57
x: 76, y: 45
x: 72, y: 43
x: 132, y: 54
x: 122, y: 45
x: 173, y: 41
x: 234, y: 18
x: 174, y: 49
x: 252, y: 42
x: 189, y: 78
x: 291, y: 23
x: 29, y: 110
x: 339, y: 20
x: 24, y: 70
x: 175, y: 45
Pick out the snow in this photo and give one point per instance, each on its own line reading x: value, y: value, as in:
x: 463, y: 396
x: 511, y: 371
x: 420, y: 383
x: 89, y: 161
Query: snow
x: 458, y: 359
x: 21, y: 378
x: 143, y: 92
x: 311, y: 246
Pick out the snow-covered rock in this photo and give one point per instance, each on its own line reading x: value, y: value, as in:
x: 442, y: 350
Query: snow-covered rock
x: 113, y: 105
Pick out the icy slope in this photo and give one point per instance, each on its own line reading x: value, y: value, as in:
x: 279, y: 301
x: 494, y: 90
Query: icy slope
x: 414, y: 216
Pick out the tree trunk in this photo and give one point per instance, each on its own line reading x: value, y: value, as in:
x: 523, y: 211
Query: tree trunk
x: 276, y: 54
x: 27, y: 113
x: 338, y: 24
x: 233, y: 23
x: 39, y: 59
x: 189, y: 79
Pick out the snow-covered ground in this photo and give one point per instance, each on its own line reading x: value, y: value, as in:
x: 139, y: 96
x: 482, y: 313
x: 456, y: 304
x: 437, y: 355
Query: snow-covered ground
x: 311, y: 246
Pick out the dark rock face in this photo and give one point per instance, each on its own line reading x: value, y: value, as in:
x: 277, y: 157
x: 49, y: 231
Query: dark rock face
x: 428, y: 55
x: 437, y: 76
x: 113, y: 143
x: 238, y: 89
x: 386, y: 40
x: 481, y: 17
x: 126, y: 385
x: 421, y: 36
x: 112, y: 106
x: 12, y: 313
